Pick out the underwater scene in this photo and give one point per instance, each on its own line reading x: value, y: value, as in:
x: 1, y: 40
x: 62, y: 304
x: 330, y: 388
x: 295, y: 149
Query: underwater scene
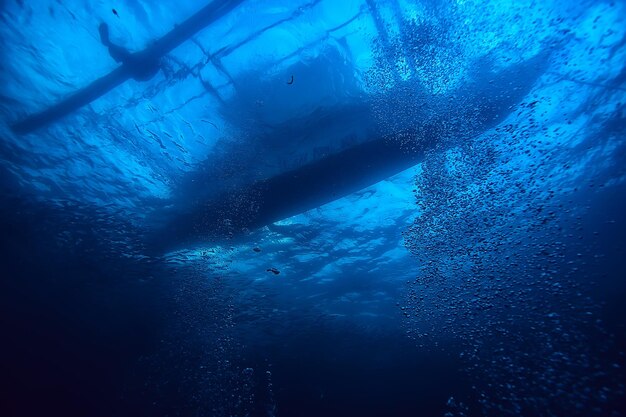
x: 313, y: 208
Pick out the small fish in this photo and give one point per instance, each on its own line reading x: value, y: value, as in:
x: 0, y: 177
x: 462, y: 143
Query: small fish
x: 257, y: 249
x: 290, y: 81
x: 273, y: 270
x: 115, y: 13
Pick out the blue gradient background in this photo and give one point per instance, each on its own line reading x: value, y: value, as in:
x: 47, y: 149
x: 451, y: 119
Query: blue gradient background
x: 486, y: 280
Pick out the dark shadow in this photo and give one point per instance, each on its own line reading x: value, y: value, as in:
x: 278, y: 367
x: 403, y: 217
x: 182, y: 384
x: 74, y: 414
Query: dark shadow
x: 77, y: 308
x: 480, y: 104
x: 141, y: 66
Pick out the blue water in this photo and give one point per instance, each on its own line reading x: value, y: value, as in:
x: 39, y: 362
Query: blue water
x: 313, y: 208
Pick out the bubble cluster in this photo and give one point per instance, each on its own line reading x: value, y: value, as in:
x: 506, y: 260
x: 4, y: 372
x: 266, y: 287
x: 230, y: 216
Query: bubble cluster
x: 505, y: 248
x: 503, y: 257
x: 504, y: 236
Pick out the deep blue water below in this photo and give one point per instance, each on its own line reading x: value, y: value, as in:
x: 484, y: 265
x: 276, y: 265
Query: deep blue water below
x: 313, y: 208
